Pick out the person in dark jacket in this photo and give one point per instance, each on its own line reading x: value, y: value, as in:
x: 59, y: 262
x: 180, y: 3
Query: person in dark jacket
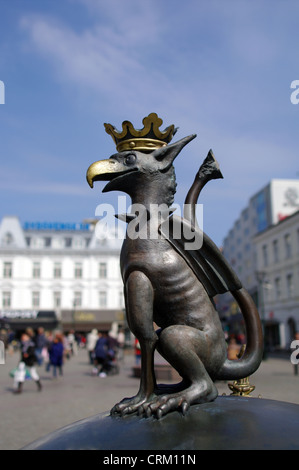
x: 56, y: 351
x: 28, y: 360
x: 101, y: 355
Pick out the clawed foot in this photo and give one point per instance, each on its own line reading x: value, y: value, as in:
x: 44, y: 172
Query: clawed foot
x: 163, y: 405
x: 129, y: 405
x: 182, y: 401
x: 135, y: 404
x: 160, y: 405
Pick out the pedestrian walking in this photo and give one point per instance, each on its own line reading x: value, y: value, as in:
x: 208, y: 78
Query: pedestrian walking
x: 137, y: 352
x: 56, y: 351
x: 91, y: 342
x: 121, y: 344
x: 72, y: 343
x: 28, y: 361
x: 233, y: 349
x: 101, y: 355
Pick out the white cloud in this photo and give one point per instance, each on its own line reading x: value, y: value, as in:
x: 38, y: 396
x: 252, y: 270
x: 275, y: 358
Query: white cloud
x: 188, y: 60
x: 108, y: 57
x: 89, y: 59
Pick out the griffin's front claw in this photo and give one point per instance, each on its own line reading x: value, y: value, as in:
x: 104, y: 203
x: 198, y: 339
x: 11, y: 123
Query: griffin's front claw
x: 185, y: 407
x: 115, y: 411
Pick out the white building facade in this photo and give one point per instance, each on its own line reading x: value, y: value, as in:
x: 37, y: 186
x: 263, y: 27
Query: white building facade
x: 268, y: 207
x: 277, y: 251
x: 63, y: 268
x: 276, y: 201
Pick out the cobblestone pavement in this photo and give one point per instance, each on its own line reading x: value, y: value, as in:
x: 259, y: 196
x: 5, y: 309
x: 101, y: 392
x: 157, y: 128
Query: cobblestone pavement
x: 78, y: 394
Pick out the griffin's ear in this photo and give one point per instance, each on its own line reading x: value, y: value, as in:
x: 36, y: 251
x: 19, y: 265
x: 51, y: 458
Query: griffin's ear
x: 166, y: 155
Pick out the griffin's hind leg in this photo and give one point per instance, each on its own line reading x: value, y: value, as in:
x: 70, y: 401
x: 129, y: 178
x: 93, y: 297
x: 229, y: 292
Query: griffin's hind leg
x: 183, y: 348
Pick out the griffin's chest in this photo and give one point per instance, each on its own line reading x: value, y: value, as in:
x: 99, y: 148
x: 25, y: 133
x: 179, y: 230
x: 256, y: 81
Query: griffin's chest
x: 157, y: 259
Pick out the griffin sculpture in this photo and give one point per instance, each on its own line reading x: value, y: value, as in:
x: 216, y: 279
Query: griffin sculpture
x: 166, y: 284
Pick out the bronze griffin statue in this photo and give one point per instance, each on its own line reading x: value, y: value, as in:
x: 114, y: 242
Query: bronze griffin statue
x: 166, y: 284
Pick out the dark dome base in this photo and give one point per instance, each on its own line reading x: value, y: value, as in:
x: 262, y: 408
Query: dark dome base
x: 228, y: 423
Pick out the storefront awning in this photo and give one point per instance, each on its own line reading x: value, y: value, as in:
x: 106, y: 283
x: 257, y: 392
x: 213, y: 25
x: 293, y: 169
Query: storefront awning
x: 19, y: 320
x: 85, y: 320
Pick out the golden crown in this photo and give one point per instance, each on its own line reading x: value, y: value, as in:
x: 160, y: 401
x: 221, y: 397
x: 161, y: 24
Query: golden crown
x: 147, y: 139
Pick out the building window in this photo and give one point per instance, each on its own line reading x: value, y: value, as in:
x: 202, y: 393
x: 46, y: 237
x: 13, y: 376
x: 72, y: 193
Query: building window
x: 287, y: 244
x: 6, y: 299
x: 277, y: 288
x: 7, y: 270
x: 77, y: 299
x: 78, y: 270
x: 78, y: 242
x: 68, y: 242
x: 35, y: 299
x: 265, y: 255
x: 103, y: 299
x: 246, y: 214
x: 102, y: 270
x: 290, y: 285
x: 37, y: 242
x: 275, y: 251
x: 57, y: 299
x: 36, y: 270
x: 48, y: 241
x: 57, y: 270
x: 8, y: 239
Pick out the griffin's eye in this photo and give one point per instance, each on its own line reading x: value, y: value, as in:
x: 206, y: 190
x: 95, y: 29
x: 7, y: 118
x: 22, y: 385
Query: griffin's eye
x: 130, y: 159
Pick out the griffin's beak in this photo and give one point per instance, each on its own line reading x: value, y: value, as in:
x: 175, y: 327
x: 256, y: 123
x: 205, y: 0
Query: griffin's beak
x: 103, y: 170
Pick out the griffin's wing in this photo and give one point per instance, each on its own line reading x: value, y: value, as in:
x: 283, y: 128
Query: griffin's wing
x: 206, y: 260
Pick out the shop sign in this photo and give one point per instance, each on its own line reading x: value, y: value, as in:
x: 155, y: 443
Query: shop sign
x: 18, y: 314
x: 84, y: 317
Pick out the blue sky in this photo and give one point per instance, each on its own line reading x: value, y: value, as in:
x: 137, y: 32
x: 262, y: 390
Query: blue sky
x: 219, y: 68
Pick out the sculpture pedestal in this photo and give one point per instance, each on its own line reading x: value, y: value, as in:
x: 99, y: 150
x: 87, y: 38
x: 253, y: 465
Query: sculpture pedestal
x: 228, y: 423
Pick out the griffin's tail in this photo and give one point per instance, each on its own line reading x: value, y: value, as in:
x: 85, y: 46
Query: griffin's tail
x: 252, y: 357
